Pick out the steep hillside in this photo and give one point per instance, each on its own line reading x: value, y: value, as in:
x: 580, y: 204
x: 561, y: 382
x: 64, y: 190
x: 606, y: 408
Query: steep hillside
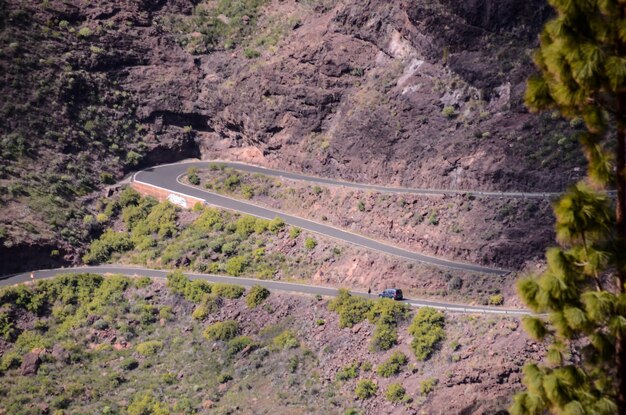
x: 87, y: 344
x: 420, y: 93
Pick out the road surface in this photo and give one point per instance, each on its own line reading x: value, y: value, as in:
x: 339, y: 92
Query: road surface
x: 167, y: 177
x: 248, y: 282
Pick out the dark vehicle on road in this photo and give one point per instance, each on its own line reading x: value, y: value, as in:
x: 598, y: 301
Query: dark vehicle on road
x: 393, y: 293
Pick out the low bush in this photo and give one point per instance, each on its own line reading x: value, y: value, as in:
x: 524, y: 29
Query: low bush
x: 256, y: 296
x: 393, y: 365
x: 286, y: 340
x: 209, y: 304
x: 129, y: 364
x: 351, y: 309
x: 10, y: 360
x: 247, y: 191
x: 348, y: 372
x: 192, y: 176
x: 236, y: 265
x: 294, y: 232
x: 108, y: 243
x: 428, y: 386
x: 238, y: 344
x: 395, y: 393
x: 496, y: 299
x: 365, y: 389
x: 149, y: 348
x: 310, y: 243
x: 448, y: 112
x: 145, y: 403
x: 7, y: 327
x: 276, y: 225
x: 427, y: 330
x: 384, y: 338
x: 143, y: 282
x: 222, y: 330
x: 229, y: 291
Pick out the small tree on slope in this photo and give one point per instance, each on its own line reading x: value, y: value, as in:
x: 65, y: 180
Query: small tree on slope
x: 582, y: 62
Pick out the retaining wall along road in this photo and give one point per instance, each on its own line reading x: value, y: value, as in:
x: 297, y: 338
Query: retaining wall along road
x: 161, y: 194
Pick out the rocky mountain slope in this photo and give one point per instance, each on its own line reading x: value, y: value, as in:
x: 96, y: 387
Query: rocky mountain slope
x: 84, y: 344
x: 419, y: 93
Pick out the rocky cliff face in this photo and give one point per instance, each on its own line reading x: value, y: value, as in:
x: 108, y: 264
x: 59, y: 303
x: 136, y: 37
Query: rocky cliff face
x: 415, y: 93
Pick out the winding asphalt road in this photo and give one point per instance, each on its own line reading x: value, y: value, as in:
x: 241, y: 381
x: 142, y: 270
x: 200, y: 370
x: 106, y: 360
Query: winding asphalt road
x: 167, y: 177
x: 248, y: 282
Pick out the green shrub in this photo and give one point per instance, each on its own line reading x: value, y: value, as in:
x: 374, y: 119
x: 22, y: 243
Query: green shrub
x: 247, y: 191
x: 351, y: 309
x: 496, y: 299
x: 149, y: 348
x: 351, y: 411
x: 229, y: 248
x: 428, y: 385
x: 129, y: 364
x: 106, y: 178
x: 294, y: 232
x: 168, y: 378
x: 229, y: 291
x: 177, y: 282
x: 236, y: 265
x: 261, y: 226
x: 448, y: 112
x: 224, y: 377
x: 10, y: 360
x: 388, y: 311
x: 348, y: 372
x: 276, y: 225
x: 365, y: 389
x: 427, y: 330
x: 393, y: 365
x: 129, y: 196
x: 143, y: 282
x: 238, y: 344
x: 286, y: 340
x: 245, y: 226
x: 310, y: 243
x: 85, y: 32
x: 109, y: 242
x: 256, y: 296
x: 195, y: 290
x: 200, y: 312
x: 166, y: 313
x: 222, y: 330
x: 361, y: 206
x: 395, y: 393
x: 232, y: 181
x: 251, y: 53
x: 30, y: 340
x: 192, y: 176
x: 210, y: 218
x: 132, y: 157
x: 385, y: 337
x: 7, y: 327
x: 145, y: 403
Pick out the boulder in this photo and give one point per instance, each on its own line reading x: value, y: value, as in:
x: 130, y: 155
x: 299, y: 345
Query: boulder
x: 30, y: 364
